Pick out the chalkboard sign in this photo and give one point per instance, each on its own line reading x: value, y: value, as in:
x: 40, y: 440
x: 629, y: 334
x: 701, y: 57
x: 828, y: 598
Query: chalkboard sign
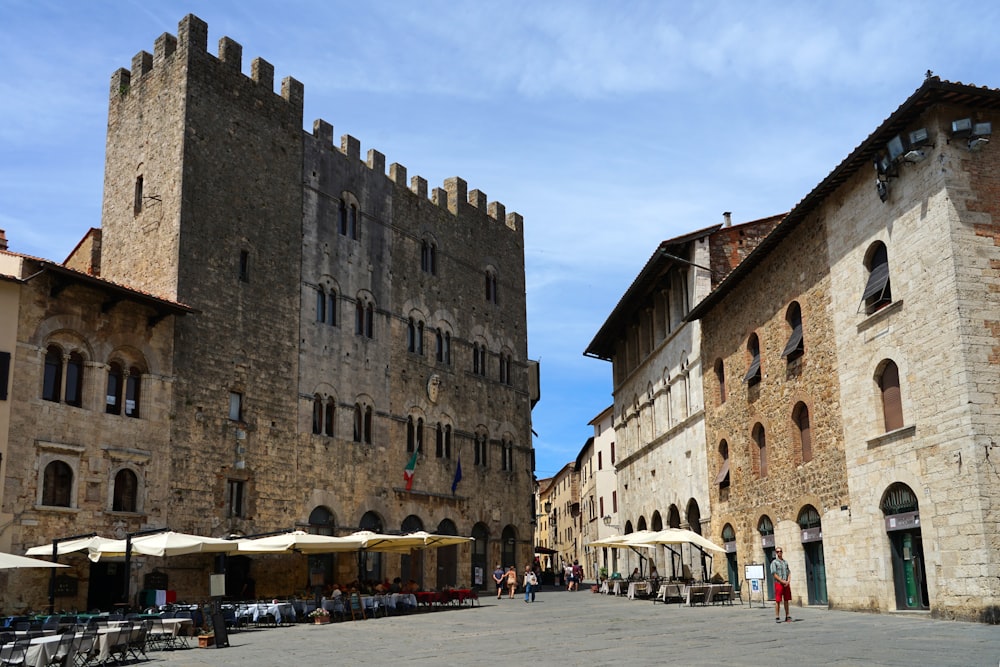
x: 65, y: 586
x: 156, y: 581
x: 219, y: 627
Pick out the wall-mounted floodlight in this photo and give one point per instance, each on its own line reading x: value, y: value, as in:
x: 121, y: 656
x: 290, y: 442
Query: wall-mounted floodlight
x: 914, y: 156
x: 895, y: 147
x: 982, y: 129
x: 882, y: 188
x: 918, y: 137
x: 961, y: 128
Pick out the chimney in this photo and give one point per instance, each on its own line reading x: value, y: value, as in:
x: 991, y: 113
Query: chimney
x: 3, y: 240
x: 727, y: 219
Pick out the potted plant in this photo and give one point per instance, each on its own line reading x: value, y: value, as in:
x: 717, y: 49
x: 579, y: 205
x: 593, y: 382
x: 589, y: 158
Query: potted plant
x: 604, y: 573
x: 320, y: 616
x: 206, y: 638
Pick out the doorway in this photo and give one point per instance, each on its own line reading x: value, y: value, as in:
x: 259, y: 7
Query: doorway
x: 107, y: 585
x: 812, y: 547
x: 902, y: 524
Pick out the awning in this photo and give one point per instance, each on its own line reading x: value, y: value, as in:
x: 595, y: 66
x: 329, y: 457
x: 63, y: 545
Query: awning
x: 10, y: 561
x: 544, y: 550
x: 723, y: 473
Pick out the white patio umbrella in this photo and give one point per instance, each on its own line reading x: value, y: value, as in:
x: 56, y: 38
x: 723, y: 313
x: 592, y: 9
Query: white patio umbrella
x: 371, y: 541
x: 11, y: 561
x: 299, y: 541
x: 435, y: 540
x: 67, y: 547
x: 167, y: 543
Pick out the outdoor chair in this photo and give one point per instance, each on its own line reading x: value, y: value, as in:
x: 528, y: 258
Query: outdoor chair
x: 379, y: 604
x: 6, y: 637
x: 22, y: 626
x: 157, y: 637
x: 137, y: 640
x: 86, y: 650
x: 64, y: 651
x: 339, y: 610
x: 51, y: 623
x: 118, y: 650
x: 15, y: 655
x: 357, y: 607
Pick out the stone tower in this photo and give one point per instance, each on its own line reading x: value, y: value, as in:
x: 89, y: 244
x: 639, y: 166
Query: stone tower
x: 203, y: 204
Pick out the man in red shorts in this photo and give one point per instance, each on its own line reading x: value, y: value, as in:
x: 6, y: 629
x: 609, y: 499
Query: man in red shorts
x: 782, y: 585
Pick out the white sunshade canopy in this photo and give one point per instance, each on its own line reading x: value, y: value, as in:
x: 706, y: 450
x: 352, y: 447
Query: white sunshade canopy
x: 68, y: 547
x: 679, y: 536
x: 406, y: 543
x: 10, y: 561
x: 300, y: 541
x: 167, y: 543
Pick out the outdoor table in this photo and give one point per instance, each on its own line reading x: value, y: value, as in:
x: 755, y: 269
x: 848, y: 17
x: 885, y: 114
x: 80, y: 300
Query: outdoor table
x: 616, y: 587
x: 460, y: 595
x: 174, y: 625
x: 406, y: 598
x: 604, y: 587
x: 430, y: 598
x: 110, y: 636
x: 41, y: 650
x: 637, y: 588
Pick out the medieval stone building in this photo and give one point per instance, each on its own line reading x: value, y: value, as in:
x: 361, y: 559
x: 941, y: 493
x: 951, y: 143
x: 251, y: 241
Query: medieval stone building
x: 340, y: 320
x: 658, y: 448
x: 854, y: 401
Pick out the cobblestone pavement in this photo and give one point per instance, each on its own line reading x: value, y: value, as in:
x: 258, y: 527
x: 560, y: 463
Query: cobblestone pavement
x: 581, y: 628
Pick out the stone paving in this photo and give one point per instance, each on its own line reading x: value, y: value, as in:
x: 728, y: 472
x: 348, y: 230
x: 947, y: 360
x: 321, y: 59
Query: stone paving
x: 582, y: 628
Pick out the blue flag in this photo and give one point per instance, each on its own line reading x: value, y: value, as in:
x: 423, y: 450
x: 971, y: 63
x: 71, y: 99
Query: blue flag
x: 458, y: 475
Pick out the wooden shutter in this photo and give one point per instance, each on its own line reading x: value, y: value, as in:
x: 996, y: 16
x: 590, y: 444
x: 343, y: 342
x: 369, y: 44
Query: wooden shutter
x: 892, y: 402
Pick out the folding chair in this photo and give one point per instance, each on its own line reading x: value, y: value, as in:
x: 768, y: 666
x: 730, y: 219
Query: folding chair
x: 86, y: 650
x: 15, y: 655
x: 118, y: 650
x: 65, y: 649
x: 137, y: 639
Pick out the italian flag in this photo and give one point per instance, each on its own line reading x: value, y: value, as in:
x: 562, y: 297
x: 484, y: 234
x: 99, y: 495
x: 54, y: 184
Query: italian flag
x: 408, y: 471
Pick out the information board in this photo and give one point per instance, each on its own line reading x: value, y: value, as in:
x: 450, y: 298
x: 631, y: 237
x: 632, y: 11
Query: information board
x: 753, y: 571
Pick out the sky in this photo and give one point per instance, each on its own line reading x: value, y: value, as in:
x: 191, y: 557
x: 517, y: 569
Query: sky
x: 610, y: 126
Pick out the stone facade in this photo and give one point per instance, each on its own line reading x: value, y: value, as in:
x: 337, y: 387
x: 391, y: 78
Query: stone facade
x: 82, y: 455
x: 343, y: 319
x: 898, y: 309
x: 659, y: 418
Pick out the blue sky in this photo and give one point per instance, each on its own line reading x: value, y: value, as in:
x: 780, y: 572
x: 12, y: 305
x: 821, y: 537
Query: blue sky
x: 608, y: 126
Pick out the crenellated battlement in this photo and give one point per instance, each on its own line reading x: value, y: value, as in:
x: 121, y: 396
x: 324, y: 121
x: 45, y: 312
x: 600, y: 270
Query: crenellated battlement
x: 454, y: 189
x: 191, y: 45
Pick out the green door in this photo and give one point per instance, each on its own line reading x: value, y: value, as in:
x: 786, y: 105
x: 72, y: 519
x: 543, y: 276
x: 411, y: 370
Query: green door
x: 815, y: 572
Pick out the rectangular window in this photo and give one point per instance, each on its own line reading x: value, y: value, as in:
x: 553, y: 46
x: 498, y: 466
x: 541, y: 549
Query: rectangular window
x: 236, y: 406
x: 600, y: 460
x: 614, y: 502
x: 244, y: 266
x: 235, y: 503
x: 601, y: 501
x: 613, y: 454
x: 4, y: 374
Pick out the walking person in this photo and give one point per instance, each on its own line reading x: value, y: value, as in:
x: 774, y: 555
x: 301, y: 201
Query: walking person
x: 512, y: 581
x: 498, y: 577
x: 782, y: 585
x: 530, y: 582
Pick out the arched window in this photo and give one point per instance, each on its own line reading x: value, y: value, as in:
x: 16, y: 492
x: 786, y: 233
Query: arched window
x: 126, y: 491
x: 753, y: 374
x: 330, y: 416
x: 800, y: 417
x: 443, y: 346
x: 57, y: 485
x: 722, y: 479
x: 52, y: 383
x: 368, y: 425
x: 674, y: 517
x: 892, y: 401
x: 320, y: 305
x: 794, y: 347
x: 317, y: 421
x: 116, y: 385
x: 480, y: 447
x: 478, y: 359
x: 133, y: 388
x: 720, y: 377
x: 428, y: 257
x: 490, y: 280
x: 358, y: 422
x: 809, y: 518
x: 439, y: 441
x: 878, y: 291
x: 342, y: 220
x: 352, y: 222
x: 364, y: 317
x: 414, y: 434
x: 760, y: 444
x: 411, y: 335
x: 508, y: 455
